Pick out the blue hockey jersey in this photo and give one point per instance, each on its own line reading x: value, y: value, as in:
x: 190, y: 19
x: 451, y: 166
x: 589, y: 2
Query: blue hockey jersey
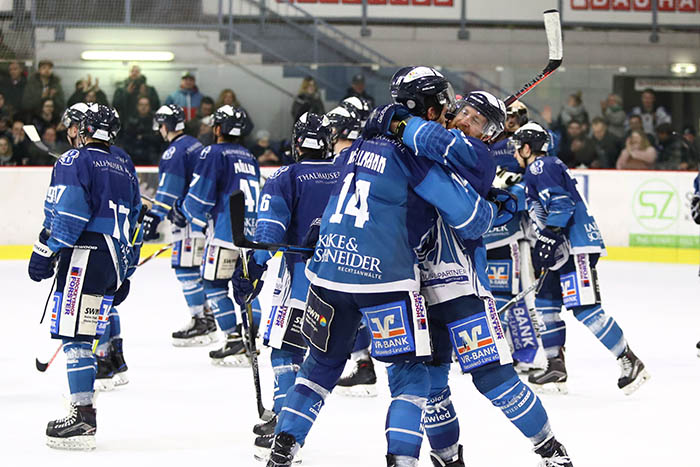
x: 221, y: 170
x: 450, y: 266
x: 94, y: 189
x: 374, y: 218
x: 291, y: 199
x: 175, y: 171
x: 505, y: 146
x: 553, y: 200
x: 514, y: 229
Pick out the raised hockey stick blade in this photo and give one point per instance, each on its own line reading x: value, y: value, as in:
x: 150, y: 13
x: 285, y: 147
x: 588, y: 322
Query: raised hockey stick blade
x: 552, y: 27
x: 33, y: 135
x: 237, y: 211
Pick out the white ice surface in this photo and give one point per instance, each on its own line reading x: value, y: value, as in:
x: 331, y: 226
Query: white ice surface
x: 179, y: 410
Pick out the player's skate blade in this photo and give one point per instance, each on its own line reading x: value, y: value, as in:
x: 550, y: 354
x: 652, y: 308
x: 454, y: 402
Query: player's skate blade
x: 633, y: 374
x: 76, y: 432
x: 551, y: 380
x: 197, y: 334
x: 553, y: 454
x: 197, y: 341
x: 549, y: 388
x: 360, y: 383
x: 263, y: 445
x: 232, y: 354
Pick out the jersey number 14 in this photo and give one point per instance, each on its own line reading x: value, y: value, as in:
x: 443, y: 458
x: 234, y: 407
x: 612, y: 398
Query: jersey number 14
x: 357, y: 204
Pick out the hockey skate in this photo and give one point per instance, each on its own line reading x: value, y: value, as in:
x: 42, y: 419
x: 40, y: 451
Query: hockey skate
x: 233, y: 353
x: 362, y: 382
x: 551, y: 380
x: 456, y: 461
x: 553, y: 454
x: 284, y: 449
x: 119, y: 367
x: 197, y: 333
x: 633, y: 372
x: 266, y: 428
x: 104, y: 380
x: 263, y: 445
x: 75, y: 432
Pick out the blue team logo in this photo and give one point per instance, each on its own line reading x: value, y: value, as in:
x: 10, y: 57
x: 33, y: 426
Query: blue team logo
x: 569, y: 289
x: 472, y: 340
x: 537, y: 167
x: 69, y: 156
x: 388, y: 325
x: 203, y: 153
x: 499, y: 275
x: 169, y: 153
x: 279, y: 172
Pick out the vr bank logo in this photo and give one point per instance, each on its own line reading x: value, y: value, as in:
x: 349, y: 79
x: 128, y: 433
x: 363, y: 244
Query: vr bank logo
x: 389, y: 327
x: 473, y: 339
x: 386, y: 329
x: 498, y: 273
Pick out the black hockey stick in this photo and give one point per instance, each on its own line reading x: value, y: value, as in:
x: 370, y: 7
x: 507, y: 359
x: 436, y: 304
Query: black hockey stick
x: 237, y: 210
x: 33, y: 135
x: 552, y: 27
x: 536, y: 287
x: 41, y: 366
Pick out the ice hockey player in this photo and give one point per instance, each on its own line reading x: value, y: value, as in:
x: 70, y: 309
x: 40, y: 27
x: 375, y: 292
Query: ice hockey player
x: 359, y: 105
x: 291, y: 199
x: 461, y: 312
x: 175, y: 171
x: 347, y: 124
x: 92, y: 208
x: 517, y: 116
x: 568, y: 246
x: 222, y: 168
x: 365, y: 264
x: 695, y: 214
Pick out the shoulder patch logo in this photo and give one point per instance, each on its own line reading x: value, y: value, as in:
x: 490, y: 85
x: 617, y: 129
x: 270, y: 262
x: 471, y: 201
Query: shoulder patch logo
x: 203, y: 153
x: 169, y: 153
x: 69, y: 156
x: 537, y: 167
x: 279, y: 172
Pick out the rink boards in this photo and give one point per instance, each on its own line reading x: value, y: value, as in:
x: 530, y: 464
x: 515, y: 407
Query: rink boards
x: 643, y: 215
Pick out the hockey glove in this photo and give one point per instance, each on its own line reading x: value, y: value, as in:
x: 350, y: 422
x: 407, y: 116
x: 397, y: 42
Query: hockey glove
x: 379, y: 121
x: 176, y: 216
x: 548, y: 240
x: 311, y: 238
x: 695, y: 208
x: 121, y: 293
x: 245, y: 289
x: 150, y: 227
x: 507, y: 205
x: 43, y: 260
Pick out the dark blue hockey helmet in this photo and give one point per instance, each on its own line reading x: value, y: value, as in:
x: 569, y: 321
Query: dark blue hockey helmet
x: 534, y: 135
x: 234, y: 121
x: 486, y: 104
x: 100, y: 123
x: 419, y: 88
x: 345, y: 123
x: 312, y: 132
x: 170, y: 115
x: 359, y: 105
x: 74, y: 114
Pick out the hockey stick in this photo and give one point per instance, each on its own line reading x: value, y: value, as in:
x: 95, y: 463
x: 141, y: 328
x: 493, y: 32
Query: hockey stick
x: 237, y: 210
x: 552, y: 27
x: 155, y: 254
x: 536, y: 287
x: 33, y: 135
x: 156, y: 202
x: 41, y: 366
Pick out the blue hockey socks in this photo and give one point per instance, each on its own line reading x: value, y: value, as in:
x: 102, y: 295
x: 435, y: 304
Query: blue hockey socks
x: 82, y: 367
x: 285, y: 365
x: 439, y: 418
x: 193, y: 289
x: 603, y: 327
x: 554, y: 333
x: 409, y: 384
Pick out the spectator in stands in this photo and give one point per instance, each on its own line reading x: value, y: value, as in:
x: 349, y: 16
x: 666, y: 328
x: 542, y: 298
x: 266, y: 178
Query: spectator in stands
x: 574, y: 110
x: 263, y: 151
x: 200, y: 125
x: 227, y: 97
x: 47, y: 116
x: 614, y: 115
x: 6, y: 156
x: 651, y: 115
x: 188, y: 96
x: 357, y: 89
x: 50, y: 139
x: 38, y: 156
x: 138, y: 138
x: 87, y: 91
x: 6, y: 126
x: 635, y: 123
x: 20, y: 142
x: 6, y: 53
x: 674, y: 151
x: 307, y: 100
x: 638, y: 152
x: 692, y: 140
x: 127, y: 94
x: 43, y: 84
x: 13, y: 86
x: 573, y: 130
x: 607, y: 145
